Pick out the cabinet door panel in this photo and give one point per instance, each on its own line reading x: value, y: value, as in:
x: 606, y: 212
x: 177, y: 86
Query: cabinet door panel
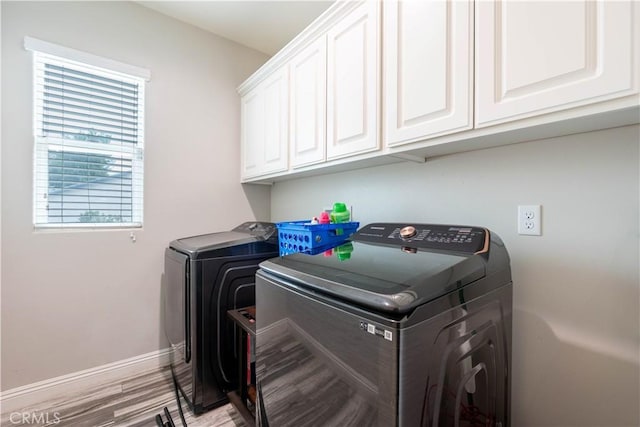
x: 308, y: 105
x: 427, y: 68
x: 265, y: 121
x: 352, y: 81
x: 252, y: 133
x: 537, y: 57
x: 276, y: 92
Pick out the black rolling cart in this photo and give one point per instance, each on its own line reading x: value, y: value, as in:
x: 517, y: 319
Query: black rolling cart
x: 244, y: 397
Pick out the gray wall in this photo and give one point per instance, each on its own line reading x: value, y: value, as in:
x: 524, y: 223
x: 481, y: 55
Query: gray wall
x: 76, y: 300
x: 576, y: 288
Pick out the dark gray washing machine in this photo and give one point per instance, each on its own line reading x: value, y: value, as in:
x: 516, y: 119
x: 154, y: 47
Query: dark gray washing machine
x: 412, y: 328
x: 205, y: 276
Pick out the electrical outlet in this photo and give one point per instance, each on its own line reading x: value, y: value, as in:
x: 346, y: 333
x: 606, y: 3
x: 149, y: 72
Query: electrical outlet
x: 529, y: 220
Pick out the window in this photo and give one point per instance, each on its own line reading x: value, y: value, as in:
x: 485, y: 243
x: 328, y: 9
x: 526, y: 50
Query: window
x: 89, y: 139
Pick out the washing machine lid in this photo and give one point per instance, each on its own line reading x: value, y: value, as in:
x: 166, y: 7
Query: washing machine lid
x: 205, y: 244
x: 389, y: 268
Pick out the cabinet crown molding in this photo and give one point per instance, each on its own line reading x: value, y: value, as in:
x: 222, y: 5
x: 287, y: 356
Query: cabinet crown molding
x: 315, y: 30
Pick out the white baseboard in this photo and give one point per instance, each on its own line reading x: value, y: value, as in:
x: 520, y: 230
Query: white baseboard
x: 77, y: 382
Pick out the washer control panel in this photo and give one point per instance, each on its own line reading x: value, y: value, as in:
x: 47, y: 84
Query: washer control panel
x: 456, y: 238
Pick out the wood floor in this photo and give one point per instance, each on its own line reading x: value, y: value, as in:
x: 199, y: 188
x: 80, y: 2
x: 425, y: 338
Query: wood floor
x: 131, y: 403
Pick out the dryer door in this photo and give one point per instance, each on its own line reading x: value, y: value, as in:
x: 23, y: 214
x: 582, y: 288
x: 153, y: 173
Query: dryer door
x: 176, y: 302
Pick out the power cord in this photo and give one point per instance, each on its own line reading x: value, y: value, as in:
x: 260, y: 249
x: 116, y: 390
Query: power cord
x: 175, y: 388
x: 169, y: 422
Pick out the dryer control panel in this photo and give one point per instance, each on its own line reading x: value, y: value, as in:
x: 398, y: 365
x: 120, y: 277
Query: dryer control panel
x: 455, y: 238
x: 258, y: 229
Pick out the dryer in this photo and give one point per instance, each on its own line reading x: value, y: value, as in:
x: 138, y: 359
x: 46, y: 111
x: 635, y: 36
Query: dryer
x: 204, y: 277
x: 413, y: 328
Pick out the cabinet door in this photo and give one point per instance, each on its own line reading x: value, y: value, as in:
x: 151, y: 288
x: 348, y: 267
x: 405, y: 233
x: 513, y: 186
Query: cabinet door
x: 252, y: 138
x: 265, y: 120
x: 428, y: 51
x: 276, y: 122
x: 308, y: 105
x: 353, y: 82
x: 534, y: 57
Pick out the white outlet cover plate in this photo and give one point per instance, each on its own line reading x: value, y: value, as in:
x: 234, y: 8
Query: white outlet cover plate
x: 529, y: 220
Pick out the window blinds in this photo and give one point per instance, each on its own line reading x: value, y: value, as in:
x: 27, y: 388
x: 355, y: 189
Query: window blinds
x: 89, y: 134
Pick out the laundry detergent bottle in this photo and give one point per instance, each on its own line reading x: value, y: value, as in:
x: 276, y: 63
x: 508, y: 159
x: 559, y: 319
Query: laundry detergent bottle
x: 339, y: 214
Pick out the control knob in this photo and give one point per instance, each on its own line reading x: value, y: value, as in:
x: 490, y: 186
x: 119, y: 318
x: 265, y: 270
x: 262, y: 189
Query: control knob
x: 408, y: 232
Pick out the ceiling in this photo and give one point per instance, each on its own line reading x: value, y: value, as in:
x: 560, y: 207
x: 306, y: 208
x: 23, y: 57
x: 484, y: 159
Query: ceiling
x: 265, y: 26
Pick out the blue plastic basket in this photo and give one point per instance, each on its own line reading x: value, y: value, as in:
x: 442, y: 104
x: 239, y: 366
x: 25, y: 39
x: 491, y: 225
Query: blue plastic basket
x: 302, y: 236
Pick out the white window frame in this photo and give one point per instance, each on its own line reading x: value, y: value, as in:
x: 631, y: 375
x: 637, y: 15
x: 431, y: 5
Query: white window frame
x: 99, y: 66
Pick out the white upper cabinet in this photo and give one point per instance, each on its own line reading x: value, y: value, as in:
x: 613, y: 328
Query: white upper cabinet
x: 276, y: 130
x: 308, y: 104
x: 265, y: 118
x: 373, y: 81
x: 252, y: 117
x: 427, y: 69
x: 353, y: 49
x: 535, y: 57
